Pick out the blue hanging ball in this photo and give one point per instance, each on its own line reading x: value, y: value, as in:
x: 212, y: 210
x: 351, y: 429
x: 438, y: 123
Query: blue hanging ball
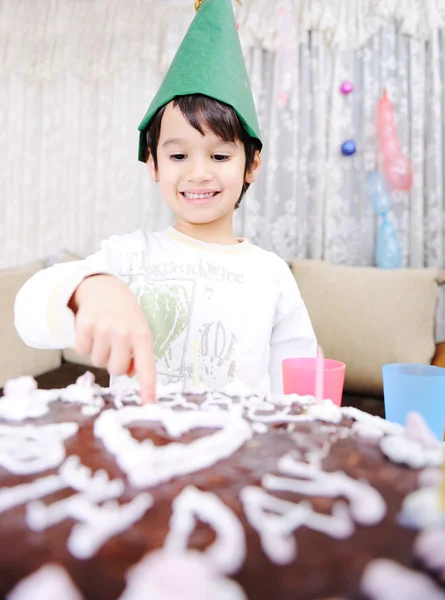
x: 348, y: 148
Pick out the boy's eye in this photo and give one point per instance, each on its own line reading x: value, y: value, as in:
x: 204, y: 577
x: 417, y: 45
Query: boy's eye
x: 220, y: 157
x: 177, y: 157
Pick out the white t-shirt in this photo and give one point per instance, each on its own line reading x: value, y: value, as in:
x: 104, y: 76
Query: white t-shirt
x: 223, y: 312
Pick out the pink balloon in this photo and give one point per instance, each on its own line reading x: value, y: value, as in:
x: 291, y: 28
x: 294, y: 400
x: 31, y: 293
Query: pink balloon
x: 396, y: 166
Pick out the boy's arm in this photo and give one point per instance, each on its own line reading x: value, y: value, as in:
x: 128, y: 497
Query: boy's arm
x: 292, y: 333
x: 41, y: 313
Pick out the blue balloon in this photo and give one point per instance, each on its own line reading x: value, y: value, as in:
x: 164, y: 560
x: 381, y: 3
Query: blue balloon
x: 377, y: 193
x: 388, y: 254
x: 348, y: 148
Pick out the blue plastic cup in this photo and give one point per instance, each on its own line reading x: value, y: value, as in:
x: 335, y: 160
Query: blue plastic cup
x: 415, y: 388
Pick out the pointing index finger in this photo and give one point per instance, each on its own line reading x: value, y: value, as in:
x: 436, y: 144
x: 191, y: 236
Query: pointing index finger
x: 144, y: 365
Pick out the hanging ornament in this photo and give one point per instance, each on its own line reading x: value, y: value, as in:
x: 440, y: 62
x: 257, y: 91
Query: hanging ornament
x: 286, y: 52
x: 348, y: 148
x: 346, y: 87
x: 388, y: 253
x: 396, y: 166
x: 377, y: 193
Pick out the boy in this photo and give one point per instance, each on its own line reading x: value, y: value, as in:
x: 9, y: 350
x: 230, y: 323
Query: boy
x: 191, y: 303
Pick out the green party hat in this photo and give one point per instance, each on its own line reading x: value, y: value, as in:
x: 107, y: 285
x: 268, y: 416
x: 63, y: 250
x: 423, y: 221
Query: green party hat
x: 210, y: 62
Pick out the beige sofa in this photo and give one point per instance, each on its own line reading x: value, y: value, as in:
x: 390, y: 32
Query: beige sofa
x: 364, y: 316
x: 50, y: 367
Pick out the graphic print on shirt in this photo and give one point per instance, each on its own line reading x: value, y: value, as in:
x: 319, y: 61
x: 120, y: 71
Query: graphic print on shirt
x: 168, y: 307
x: 217, y: 348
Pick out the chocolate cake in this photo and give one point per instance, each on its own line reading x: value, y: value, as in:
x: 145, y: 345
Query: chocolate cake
x: 215, y: 496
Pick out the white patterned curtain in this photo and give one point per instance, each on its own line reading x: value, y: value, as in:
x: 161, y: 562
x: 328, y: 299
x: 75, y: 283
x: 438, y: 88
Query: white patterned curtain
x: 76, y: 78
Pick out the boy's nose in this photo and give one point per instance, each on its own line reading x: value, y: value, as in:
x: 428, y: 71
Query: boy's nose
x: 199, y: 171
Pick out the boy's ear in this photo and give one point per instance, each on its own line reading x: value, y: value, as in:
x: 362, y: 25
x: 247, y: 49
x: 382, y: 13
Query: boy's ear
x: 253, y: 173
x: 152, y: 168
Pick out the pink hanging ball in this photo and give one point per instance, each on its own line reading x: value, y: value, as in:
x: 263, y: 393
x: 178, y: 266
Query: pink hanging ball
x: 346, y: 87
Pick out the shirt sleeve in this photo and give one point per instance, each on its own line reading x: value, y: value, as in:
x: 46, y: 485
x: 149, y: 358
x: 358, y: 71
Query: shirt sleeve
x: 41, y: 314
x: 292, y: 333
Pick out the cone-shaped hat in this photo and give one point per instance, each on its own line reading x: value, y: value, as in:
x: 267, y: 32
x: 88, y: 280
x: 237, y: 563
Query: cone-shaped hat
x: 210, y: 62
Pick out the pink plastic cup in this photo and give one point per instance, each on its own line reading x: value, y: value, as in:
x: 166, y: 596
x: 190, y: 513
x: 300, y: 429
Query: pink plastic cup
x: 299, y: 378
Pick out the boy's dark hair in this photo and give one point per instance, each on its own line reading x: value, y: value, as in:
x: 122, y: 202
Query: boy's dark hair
x: 220, y: 118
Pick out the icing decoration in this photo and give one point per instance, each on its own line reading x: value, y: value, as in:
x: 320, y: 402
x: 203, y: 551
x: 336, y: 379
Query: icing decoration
x: 261, y: 405
x: 117, y: 401
x: 84, y: 391
x: 171, y: 389
x: 274, y: 520
x: 90, y: 411
x: 20, y: 386
x: 125, y: 389
x: 228, y: 551
x: 430, y: 477
x: 178, y: 400
x: 97, y: 524
x: 238, y: 389
x: 195, y: 389
x: 291, y: 400
x: 326, y: 411
x: 260, y: 428
x: 367, y: 431
x: 97, y: 486
x: 429, y: 547
x: 29, y: 449
x: 236, y: 397
x: 22, y: 400
x: 329, y: 429
x: 417, y: 430
x: 316, y: 455
x: 361, y: 417
x: 194, y: 578
x: 401, y: 450
x: 422, y: 509
x: 367, y: 506
x: 382, y: 577
x: 219, y: 401
x: 71, y: 474
x: 339, y: 525
x: 146, y: 464
x: 50, y: 582
x: 24, y: 492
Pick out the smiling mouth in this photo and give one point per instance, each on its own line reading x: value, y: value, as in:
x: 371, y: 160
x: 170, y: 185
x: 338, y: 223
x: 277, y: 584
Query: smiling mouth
x: 199, y: 198
x: 190, y: 196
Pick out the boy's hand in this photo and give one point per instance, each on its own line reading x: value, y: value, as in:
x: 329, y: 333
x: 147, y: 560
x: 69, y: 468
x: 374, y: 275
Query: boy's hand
x: 112, y: 329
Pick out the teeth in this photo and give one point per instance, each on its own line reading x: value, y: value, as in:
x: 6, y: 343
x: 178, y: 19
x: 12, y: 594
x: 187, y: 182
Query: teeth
x: 198, y: 196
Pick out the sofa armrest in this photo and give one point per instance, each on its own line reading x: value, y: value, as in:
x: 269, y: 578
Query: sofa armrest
x: 439, y: 356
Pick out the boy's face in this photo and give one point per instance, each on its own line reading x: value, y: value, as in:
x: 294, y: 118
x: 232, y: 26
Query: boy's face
x: 201, y: 177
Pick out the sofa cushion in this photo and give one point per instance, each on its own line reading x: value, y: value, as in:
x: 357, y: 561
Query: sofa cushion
x: 16, y: 358
x: 368, y: 317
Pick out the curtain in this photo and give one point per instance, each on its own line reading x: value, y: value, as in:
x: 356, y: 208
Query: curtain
x: 76, y: 78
